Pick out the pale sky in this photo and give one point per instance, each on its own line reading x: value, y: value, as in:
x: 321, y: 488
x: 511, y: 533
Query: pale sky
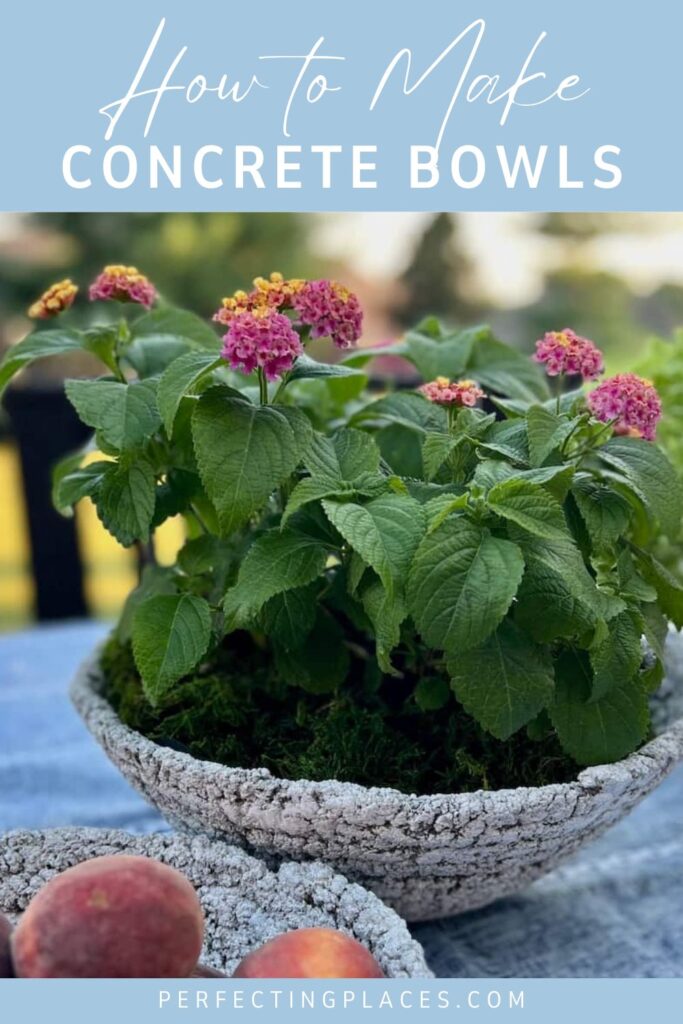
x: 511, y: 257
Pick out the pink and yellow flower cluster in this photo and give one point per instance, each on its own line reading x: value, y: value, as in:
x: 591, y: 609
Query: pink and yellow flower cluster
x: 567, y: 352
x: 123, y: 284
x: 631, y: 401
x: 261, y: 336
x: 447, y: 392
x: 54, y: 301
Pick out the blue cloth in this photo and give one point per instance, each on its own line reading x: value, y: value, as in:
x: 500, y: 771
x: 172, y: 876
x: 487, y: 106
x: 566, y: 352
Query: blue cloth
x: 614, y: 910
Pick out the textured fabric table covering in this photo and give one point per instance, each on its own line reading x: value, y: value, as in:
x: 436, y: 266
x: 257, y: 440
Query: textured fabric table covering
x: 614, y: 910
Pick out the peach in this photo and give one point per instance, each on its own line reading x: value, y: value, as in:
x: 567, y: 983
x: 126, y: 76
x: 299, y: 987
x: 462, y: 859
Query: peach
x: 5, y: 952
x: 310, y: 953
x: 111, y: 917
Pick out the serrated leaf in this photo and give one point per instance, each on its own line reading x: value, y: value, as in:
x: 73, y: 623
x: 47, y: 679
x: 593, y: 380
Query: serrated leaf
x: 155, y: 579
x: 343, y: 457
x: 432, y: 693
x: 555, y: 568
x: 505, y: 370
x: 606, y: 514
x: 504, y: 682
x: 244, y: 452
x: 168, y: 324
x: 546, y: 433
x: 648, y: 472
x: 306, y: 368
x: 171, y: 634
x: 599, y: 731
x: 385, y: 532
x: 617, y: 658
x: 321, y: 663
x: 461, y: 583
x: 508, y: 438
x: 180, y: 379
x: 386, y: 613
x: 436, y: 448
x: 669, y: 589
x: 530, y: 506
x: 289, y: 617
x: 72, y: 482
x: 124, y: 415
x: 277, y: 561
x: 38, y: 345
x: 125, y: 500
x: 402, y: 408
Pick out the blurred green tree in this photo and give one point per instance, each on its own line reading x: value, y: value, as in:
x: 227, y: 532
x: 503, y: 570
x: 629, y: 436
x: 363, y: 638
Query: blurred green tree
x: 438, y: 276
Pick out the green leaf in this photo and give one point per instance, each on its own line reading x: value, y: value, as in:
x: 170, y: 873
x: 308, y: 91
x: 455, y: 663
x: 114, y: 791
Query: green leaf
x: 648, y: 472
x: 559, y: 597
x: 38, y: 345
x: 432, y: 693
x: 155, y: 579
x: 342, y: 458
x: 607, y: 515
x: 546, y: 433
x: 275, y: 562
x: 446, y: 356
x: 617, y: 658
x: 171, y: 634
x: 168, y: 324
x: 504, y: 682
x: 125, y: 415
x: 403, y: 408
x: 71, y: 482
x: 244, y: 452
x: 598, y: 731
x: 125, y: 500
x: 385, y: 533
x: 306, y: 368
x: 101, y: 342
x: 508, y: 438
x: 436, y: 448
x: 288, y: 618
x: 180, y: 379
x: 314, y: 489
x: 505, y: 370
x: 530, y: 506
x: 150, y: 357
x: 386, y: 613
x: 461, y: 584
x: 319, y: 665
x: 669, y: 589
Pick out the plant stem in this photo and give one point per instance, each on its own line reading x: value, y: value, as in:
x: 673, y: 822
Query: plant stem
x: 199, y: 519
x: 263, y: 386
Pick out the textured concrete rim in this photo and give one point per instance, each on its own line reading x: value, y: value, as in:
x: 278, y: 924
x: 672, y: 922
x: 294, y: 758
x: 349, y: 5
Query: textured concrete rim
x: 244, y: 903
x: 427, y: 856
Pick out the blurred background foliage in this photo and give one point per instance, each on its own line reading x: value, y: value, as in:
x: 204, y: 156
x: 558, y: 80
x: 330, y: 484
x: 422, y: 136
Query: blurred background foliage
x: 617, y: 278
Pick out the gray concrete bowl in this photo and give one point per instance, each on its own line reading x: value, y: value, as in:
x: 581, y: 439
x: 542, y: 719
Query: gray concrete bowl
x: 426, y: 856
x: 244, y: 902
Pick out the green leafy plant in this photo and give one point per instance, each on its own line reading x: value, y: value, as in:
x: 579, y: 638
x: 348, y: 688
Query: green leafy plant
x: 407, y: 589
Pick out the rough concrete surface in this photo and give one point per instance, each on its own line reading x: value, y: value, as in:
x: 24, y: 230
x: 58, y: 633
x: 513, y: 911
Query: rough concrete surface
x: 244, y: 902
x: 426, y: 856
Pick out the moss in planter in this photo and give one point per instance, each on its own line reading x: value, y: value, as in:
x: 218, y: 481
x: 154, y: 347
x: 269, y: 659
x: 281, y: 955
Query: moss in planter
x: 234, y: 713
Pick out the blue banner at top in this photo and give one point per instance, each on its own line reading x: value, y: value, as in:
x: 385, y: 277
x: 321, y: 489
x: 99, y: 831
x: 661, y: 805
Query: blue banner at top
x: 352, y: 105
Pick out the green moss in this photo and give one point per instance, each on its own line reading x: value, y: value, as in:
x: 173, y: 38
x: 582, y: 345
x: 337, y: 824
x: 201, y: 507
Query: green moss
x: 239, y: 715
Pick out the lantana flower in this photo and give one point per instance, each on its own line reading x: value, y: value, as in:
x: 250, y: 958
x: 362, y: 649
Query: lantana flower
x: 55, y: 300
x: 261, y: 339
x: 330, y: 310
x: 326, y: 307
x: 123, y: 284
x: 631, y: 401
x: 567, y: 352
x: 443, y: 391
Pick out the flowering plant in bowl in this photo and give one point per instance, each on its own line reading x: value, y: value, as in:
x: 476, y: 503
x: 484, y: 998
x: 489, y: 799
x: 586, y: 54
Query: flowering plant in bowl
x: 409, y: 590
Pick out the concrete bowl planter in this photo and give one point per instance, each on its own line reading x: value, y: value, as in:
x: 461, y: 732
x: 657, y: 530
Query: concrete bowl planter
x: 426, y: 856
x: 244, y: 902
